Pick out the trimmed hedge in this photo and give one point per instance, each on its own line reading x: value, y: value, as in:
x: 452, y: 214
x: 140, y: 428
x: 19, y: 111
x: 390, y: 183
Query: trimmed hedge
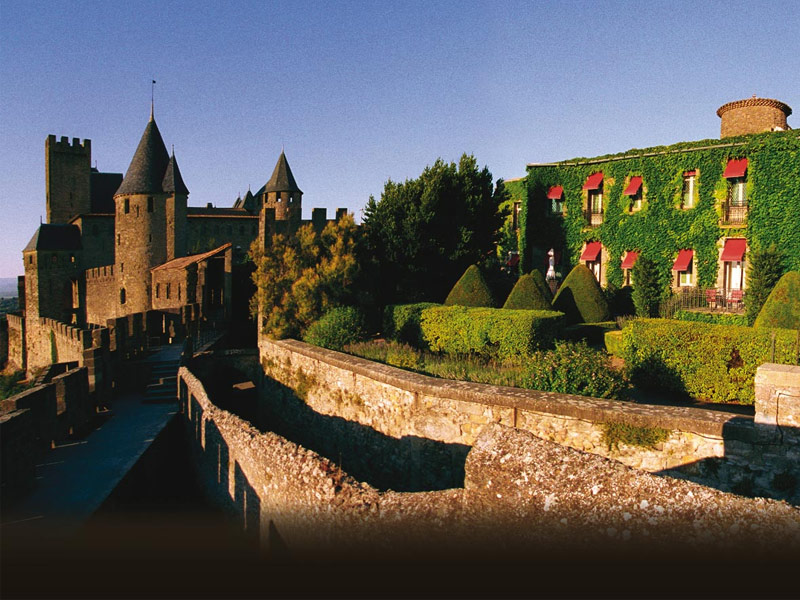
x: 497, y: 333
x: 715, y: 363
x: 581, y: 298
x: 471, y: 290
x: 713, y: 318
x: 401, y: 322
x: 613, y: 342
x: 530, y: 293
x: 782, y: 308
x: 337, y: 328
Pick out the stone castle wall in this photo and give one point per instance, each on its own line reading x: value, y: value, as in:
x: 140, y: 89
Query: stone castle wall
x: 519, y: 492
x: 16, y: 341
x: 717, y: 448
x: 206, y: 232
x: 68, y: 178
x: 752, y: 115
x: 102, y: 294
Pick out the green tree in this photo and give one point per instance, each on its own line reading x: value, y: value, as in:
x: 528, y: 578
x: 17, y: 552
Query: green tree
x: 766, y: 267
x: 300, y: 277
x: 647, y: 289
x: 423, y: 233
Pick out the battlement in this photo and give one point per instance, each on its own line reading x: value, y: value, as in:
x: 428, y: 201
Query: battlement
x: 64, y: 145
x: 15, y: 320
x: 106, y: 272
x: 67, y: 331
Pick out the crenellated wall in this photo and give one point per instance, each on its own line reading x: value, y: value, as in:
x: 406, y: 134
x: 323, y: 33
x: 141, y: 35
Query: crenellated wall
x: 717, y: 448
x: 518, y: 492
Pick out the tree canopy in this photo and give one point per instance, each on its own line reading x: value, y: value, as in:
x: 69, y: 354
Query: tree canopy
x: 300, y: 277
x: 424, y: 232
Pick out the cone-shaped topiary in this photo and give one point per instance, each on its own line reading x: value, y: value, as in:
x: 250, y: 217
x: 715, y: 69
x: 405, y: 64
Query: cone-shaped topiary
x: 471, y: 290
x: 782, y: 308
x: 530, y: 293
x: 580, y: 298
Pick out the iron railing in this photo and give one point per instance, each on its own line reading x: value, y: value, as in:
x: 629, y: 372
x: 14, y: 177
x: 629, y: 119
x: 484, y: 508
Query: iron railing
x: 733, y: 215
x: 705, y: 299
x: 594, y: 218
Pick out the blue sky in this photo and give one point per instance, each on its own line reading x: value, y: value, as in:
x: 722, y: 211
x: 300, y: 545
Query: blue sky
x: 361, y: 92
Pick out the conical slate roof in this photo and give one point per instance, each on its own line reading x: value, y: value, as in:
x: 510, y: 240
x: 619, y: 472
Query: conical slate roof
x: 173, y: 182
x: 149, y: 164
x: 282, y: 179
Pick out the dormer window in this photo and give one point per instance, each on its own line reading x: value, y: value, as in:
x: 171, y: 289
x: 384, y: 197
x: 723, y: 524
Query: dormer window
x: 634, y: 193
x: 689, y: 189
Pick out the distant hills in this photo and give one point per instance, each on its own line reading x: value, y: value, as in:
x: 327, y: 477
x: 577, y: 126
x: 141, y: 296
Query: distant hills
x: 8, y: 287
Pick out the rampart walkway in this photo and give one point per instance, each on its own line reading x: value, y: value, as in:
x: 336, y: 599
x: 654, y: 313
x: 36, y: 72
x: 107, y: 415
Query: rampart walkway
x: 74, y: 479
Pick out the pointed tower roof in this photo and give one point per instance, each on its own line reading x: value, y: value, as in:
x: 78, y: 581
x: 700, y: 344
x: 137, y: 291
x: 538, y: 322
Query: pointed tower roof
x: 173, y: 182
x: 282, y: 179
x: 55, y: 237
x: 149, y: 163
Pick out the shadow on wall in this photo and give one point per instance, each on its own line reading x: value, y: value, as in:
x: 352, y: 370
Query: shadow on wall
x: 769, y: 472
x: 407, y: 464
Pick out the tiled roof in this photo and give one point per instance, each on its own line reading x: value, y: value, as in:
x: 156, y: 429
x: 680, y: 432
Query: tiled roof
x: 55, y: 237
x: 185, y: 261
x: 146, y: 171
x: 282, y: 179
x: 173, y: 182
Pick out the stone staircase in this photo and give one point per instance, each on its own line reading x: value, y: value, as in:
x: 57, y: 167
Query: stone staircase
x: 163, y: 384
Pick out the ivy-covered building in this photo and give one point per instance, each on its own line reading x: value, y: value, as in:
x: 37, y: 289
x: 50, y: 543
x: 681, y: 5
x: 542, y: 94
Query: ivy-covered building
x: 696, y: 208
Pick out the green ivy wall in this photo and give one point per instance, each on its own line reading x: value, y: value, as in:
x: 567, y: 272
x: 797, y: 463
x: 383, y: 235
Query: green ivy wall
x: 660, y: 229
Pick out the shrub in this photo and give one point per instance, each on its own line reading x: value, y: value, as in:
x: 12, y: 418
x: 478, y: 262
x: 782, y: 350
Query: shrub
x: 716, y: 363
x: 620, y: 300
x: 782, y: 308
x: 615, y: 434
x: 470, y: 290
x: 580, y: 298
x: 401, y: 322
x: 763, y: 273
x: 647, y: 289
x: 575, y: 368
x: 530, y: 293
x: 714, y: 318
x: 491, y: 332
x: 613, y: 342
x: 337, y: 328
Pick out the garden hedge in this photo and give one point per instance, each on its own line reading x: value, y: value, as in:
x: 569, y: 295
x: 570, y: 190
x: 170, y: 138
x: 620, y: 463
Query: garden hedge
x: 499, y: 333
x: 581, y: 298
x: 337, y: 328
x: 713, y: 318
x: 401, y: 322
x: 782, y: 307
x: 715, y: 363
x: 471, y: 290
x: 530, y: 293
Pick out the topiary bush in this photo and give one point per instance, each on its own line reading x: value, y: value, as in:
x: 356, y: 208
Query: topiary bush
x: 782, y: 308
x: 337, y: 328
x: 471, y: 290
x: 580, y: 298
x: 575, y: 368
x: 715, y: 363
x: 764, y: 270
x: 497, y: 333
x: 530, y: 293
x: 714, y: 318
x: 401, y: 322
x: 647, y: 289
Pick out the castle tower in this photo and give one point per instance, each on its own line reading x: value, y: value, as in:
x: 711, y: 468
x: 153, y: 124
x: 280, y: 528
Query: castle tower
x: 752, y: 115
x: 282, y: 194
x: 68, y: 170
x: 178, y: 195
x: 141, y: 220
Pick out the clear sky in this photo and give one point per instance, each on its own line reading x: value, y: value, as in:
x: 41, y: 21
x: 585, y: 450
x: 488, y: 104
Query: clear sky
x: 361, y: 92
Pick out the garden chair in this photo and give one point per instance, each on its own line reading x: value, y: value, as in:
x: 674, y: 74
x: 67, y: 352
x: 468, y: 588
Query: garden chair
x: 736, y: 299
x: 711, y: 298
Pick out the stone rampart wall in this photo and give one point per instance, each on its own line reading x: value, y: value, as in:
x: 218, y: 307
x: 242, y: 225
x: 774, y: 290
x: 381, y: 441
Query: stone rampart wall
x: 16, y: 341
x: 520, y: 493
x: 717, y: 448
x: 102, y: 294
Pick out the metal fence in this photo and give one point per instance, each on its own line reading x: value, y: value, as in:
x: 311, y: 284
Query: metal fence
x: 707, y: 299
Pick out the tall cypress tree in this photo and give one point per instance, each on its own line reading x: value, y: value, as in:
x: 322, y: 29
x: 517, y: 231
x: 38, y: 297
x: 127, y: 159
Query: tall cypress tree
x: 647, y: 289
x: 766, y: 266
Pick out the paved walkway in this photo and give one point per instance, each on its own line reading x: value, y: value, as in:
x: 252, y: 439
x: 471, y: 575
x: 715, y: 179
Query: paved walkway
x: 75, y: 478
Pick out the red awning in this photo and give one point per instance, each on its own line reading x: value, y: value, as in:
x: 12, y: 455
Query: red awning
x: 691, y: 173
x: 593, y: 181
x: 630, y: 259
x: 556, y: 192
x: 737, y: 167
x: 633, y: 186
x: 683, y: 261
x: 734, y: 249
x: 592, y: 251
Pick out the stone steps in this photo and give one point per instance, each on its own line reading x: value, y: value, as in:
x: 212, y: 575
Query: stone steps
x: 163, y: 384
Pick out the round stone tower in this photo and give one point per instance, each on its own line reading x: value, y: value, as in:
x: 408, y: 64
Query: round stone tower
x: 282, y: 194
x: 140, y: 223
x: 753, y: 115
